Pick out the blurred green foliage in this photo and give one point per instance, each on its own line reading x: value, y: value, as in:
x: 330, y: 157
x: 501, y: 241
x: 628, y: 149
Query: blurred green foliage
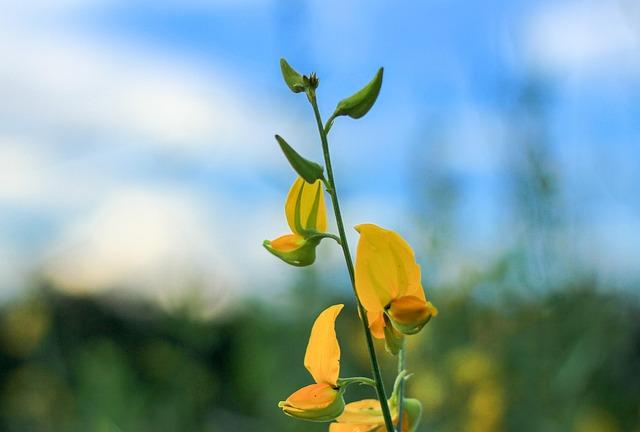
x: 560, y: 362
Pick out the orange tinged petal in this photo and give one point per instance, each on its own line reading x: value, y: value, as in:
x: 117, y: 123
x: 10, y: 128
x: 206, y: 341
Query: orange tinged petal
x: 376, y: 324
x: 287, y: 243
x: 362, y: 411
x: 322, y: 358
x: 314, y: 396
x: 315, y: 402
x: 409, y: 313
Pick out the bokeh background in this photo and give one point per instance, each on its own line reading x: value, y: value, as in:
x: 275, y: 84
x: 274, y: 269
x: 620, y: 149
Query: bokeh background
x: 139, y: 176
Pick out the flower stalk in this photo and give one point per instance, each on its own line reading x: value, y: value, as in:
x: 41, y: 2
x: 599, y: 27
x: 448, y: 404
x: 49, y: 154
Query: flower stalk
x: 385, y: 278
x: 401, y: 370
x: 375, y: 368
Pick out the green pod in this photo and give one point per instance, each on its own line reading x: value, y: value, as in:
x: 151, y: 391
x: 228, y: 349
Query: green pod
x: 358, y: 104
x: 412, y: 409
x: 301, y: 256
x: 293, y: 79
x: 308, y: 170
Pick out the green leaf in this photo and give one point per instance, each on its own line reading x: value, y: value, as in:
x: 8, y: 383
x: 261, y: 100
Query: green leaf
x: 358, y: 104
x: 293, y: 79
x: 308, y: 170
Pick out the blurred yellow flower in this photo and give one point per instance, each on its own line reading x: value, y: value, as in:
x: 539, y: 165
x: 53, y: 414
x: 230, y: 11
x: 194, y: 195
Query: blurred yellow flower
x: 388, y: 282
x: 323, y: 400
x: 366, y: 416
x: 306, y: 215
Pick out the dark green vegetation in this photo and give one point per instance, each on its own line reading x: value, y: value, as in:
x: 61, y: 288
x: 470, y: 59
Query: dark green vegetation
x: 559, y: 362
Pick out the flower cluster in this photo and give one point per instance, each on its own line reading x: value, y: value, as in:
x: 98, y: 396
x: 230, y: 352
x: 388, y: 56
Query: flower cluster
x: 386, y: 280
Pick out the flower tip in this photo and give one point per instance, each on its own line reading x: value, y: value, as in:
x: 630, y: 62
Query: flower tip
x: 315, y: 402
x: 409, y: 314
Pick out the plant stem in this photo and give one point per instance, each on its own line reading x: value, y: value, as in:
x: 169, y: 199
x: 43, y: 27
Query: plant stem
x: 382, y: 397
x: 401, y: 367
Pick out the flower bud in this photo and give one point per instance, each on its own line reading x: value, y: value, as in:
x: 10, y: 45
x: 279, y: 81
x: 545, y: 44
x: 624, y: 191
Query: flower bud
x: 315, y: 402
x: 293, y: 249
x: 292, y: 78
x: 409, y: 314
x: 412, y: 409
x: 358, y: 104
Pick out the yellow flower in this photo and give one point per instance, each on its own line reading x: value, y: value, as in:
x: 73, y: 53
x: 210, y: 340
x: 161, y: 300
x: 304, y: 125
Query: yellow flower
x: 323, y: 400
x: 388, y: 283
x: 307, y: 217
x: 366, y: 416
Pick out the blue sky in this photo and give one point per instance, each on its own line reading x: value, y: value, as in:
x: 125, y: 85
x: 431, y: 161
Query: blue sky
x: 138, y: 137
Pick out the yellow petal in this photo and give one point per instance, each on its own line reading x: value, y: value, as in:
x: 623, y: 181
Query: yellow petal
x: 307, y: 202
x: 315, y: 402
x: 366, y: 416
x: 347, y: 427
x: 362, y: 412
x: 385, y: 268
x: 376, y: 324
x: 322, y: 358
x: 287, y: 243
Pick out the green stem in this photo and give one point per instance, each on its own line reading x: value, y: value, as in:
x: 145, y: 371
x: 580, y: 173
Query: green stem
x: 401, y: 368
x: 382, y: 397
x: 356, y: 380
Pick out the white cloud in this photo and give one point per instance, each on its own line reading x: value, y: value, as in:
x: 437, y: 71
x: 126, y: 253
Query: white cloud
x: 584, y: 36
x: 76, y: 107
x: 61, y: 85
x: 150, y: 240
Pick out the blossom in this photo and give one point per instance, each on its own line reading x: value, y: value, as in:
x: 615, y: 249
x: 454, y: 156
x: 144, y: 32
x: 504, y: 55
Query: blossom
x: 323, y: 400
x: 366, y: 416
x: 306, y: 215
x: 388, y: 284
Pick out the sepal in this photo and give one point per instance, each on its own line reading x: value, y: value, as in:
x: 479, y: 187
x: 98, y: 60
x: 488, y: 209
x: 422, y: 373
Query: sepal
x: 393, y: 339
x: 292, y: 78
x: 308, y: 170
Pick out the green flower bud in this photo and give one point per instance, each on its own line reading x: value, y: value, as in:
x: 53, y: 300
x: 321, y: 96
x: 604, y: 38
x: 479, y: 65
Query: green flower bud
x: 315, y: 402
x: 358, y: 104
x: 412, y: 409
x: 293, y: 79
x: 294, y: 249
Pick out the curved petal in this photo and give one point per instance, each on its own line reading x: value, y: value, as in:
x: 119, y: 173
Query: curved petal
x: 376, y: 324
x: 305, y: 207
x: 322, y: 358
x: 408, y: 270
x: 385, y: 268
x: 373, y: 272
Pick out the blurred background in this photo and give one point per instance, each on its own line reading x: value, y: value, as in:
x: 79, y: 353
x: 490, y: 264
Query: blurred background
x: 139, y: 176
